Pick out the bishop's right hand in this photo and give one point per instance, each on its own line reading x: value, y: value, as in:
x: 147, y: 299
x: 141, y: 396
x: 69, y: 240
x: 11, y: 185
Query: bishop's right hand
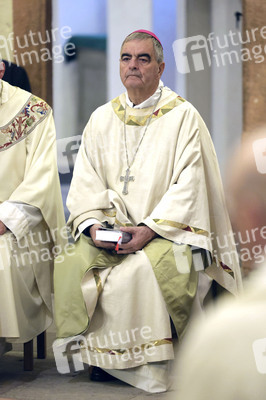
x: 99, y: 243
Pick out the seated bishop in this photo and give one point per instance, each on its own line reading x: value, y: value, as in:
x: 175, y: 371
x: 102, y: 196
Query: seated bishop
x: 146, y: 167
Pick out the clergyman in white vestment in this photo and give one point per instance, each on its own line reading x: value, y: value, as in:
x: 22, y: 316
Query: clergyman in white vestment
x: 31, y: 214
x: 230, y: 342
x: 146, y: 166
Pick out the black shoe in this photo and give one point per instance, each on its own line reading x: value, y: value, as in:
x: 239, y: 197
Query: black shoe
x: 99, y: 375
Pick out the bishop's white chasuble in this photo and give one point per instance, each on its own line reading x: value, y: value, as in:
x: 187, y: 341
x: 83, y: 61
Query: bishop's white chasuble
x: 121, y: 304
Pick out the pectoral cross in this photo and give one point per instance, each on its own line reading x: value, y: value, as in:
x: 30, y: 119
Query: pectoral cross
x: 126, y: 179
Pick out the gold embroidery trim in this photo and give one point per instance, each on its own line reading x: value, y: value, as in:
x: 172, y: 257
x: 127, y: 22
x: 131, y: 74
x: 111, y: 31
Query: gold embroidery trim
x: 109, y: 213
x: 23, y: 123
x: 198, y: 231
x: 100, y: 350
x: 98, y: 281
x: 119, y: 109
x: 181, y: 226
x: 122, y: 224
x: 224, y: 267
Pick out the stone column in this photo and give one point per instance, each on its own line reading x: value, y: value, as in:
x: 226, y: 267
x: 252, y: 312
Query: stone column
x: 33, y: 41
x: 123, y: 17
x: 254, y: 68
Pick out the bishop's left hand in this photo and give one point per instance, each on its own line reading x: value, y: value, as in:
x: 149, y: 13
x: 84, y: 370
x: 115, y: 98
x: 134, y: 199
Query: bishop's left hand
x: 141, y: 236
x: 3, y: 228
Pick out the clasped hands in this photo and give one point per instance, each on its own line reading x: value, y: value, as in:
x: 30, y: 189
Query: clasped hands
x: 141, y: 236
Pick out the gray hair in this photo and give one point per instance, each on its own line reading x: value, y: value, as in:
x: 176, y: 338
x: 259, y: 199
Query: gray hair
x: 158, y: 50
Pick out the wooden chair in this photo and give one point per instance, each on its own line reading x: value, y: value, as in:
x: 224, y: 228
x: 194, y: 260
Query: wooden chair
x: 28, y: 351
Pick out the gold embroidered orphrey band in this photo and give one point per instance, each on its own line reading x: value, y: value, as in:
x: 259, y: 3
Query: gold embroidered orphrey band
x: 32, y: 113
x: 120, y: 111
x: 120, y: 352
x: 127, y: 178
x: 134, y: 120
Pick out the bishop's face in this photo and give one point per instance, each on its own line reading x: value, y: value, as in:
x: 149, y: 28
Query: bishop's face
x: 139, y: 71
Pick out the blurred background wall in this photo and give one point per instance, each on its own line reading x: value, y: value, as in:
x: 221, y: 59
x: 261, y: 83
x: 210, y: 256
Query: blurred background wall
x: 71, y: 54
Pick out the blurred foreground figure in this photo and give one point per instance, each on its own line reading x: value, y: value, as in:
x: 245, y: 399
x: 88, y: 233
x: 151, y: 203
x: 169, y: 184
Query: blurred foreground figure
x: 247, y: 200
x: 31, y: 213
x: 223, y: 357
x: 147, y: 167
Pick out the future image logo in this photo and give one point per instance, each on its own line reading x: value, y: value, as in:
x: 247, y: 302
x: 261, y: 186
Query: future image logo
x: 65, y: 348
x: 67, y: 150
x: 196, y: 53
x: 191, y: 54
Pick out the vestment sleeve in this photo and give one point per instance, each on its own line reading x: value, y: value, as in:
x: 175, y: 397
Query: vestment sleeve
x: 89, y: 182
x: 40, y: 186
x: 19, y: 218
x: 182, y: 214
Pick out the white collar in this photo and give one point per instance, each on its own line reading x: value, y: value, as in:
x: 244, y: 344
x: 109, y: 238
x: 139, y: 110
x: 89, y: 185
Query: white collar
x: 148, y: 102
